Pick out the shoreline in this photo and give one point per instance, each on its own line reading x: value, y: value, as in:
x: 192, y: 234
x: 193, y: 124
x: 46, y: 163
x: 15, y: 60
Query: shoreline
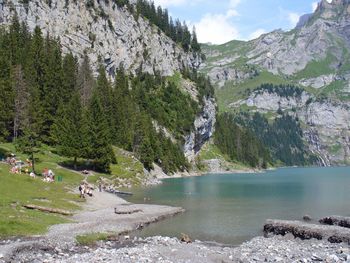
x: 59, y: 244
x: 98, y: 215
x: 157, y: 175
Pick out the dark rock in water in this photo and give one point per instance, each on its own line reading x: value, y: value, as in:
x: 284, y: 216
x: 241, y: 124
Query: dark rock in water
x: 307, y: 218
x: 333, y: 234
x: 336, y: 220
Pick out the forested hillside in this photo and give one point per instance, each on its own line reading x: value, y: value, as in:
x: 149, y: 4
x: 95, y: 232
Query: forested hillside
x: 51, y: 98
x: 239, y: 143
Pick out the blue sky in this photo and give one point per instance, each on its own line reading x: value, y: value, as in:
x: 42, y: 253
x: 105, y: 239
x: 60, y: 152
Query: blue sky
x: 223, y: 20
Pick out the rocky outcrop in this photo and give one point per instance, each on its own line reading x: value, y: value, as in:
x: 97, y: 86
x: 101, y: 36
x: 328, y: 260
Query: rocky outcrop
x: 272, y: 101
x: 325, y: 124
x: 319, y: 82
x: 105, y: 32
x: 333, y: 234
x: 220, y: 75
x: 303, y: 20
x: 204, y: 126
x: 342, y: 221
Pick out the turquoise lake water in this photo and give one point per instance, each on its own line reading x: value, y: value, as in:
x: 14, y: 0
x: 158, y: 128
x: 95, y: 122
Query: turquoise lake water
x: 232, y: 208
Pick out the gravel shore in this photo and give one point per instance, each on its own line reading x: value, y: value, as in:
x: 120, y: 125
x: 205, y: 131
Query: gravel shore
x: 59, y: 245
x: 165, y: 250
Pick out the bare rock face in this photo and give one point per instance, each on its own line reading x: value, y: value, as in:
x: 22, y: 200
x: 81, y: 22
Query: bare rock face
x: 313, y: 40
x: 117, y: 37
x: 326, y: 124
x: 204, y: 129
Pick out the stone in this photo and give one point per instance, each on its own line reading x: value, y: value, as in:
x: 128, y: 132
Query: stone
x: 185, y: 238
x: 307, y: 218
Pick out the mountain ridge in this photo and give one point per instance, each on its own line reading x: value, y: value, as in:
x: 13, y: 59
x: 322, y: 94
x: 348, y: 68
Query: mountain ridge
x: 314, y: 56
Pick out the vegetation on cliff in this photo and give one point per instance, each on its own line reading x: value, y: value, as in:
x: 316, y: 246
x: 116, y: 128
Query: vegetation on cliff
x: 239, y: 143
x: 50, y: 98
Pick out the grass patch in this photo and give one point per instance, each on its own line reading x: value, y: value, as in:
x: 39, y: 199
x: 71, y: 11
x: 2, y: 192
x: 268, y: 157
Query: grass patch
x: 334, y: 149
x: 127, y: 168
x: 317, y: 68
x: 17, y: 190
x: 91, y: 238
x: 231, y: 93
x: 211, y: 151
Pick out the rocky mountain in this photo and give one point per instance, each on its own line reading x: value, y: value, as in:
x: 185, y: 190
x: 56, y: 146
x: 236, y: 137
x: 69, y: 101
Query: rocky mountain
x: 102, y: 30
x: 109, y: 32
x: 314, y: 56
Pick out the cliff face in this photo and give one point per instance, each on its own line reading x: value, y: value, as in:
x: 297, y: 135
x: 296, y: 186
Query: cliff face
x: 314, y: 56
x: 114, y: 36
x: 104, y: 31
x: 325, y: 124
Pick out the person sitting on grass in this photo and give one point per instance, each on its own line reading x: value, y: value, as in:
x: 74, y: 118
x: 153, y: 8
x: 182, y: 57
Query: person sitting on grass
x: 51, y: 175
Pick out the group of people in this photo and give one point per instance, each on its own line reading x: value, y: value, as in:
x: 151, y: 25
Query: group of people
x: 18, y: 165
x: 48, y: 175
x: 85, y: 189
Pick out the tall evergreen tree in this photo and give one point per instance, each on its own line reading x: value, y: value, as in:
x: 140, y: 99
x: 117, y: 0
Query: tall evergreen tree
x: 69, y: 77
x: 21, y: 101
x: 6, y: 99
x: 98, y: 137
x: 69, y: 130
x: 104, y: 91
x: 52, y: 90
x: 85, y: 81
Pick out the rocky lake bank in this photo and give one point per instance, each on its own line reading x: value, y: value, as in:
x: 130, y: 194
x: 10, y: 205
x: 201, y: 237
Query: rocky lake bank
x: 107, y: 213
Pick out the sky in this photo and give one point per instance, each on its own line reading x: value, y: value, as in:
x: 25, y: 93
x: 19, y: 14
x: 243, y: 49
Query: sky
x: 219, y: 21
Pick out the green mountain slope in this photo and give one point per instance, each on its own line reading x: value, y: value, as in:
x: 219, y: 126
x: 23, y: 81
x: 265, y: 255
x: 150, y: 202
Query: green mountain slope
x: 314, y: 57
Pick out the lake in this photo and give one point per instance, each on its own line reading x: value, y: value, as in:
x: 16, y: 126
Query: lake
x: 232, y: 208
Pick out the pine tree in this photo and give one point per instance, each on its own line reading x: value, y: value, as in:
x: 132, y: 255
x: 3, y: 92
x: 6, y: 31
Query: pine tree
x: 98, y: 137
x: 34, y: 75
x: 21, y: 101
x: 194, y: 42
x: 123, y: 111
x: 104, y: 92
x: 6, y: 96
x: 85, y: 81
x: 69, y: 77
x: 52, y: 90
x: 69, y: 130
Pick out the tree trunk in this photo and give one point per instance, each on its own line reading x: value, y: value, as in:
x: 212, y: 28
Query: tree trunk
x: 32, y: 157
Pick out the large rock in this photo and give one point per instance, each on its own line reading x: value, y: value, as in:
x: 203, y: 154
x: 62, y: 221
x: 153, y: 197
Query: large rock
x: 333, y: 234
x: 336, y: 221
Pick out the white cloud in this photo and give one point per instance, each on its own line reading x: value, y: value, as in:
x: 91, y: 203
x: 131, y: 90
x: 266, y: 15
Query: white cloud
x: 234, y: 3
x: 217, y: 28
x: 314, y: 6
x: 293, y: 18
x: 257, y: 33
